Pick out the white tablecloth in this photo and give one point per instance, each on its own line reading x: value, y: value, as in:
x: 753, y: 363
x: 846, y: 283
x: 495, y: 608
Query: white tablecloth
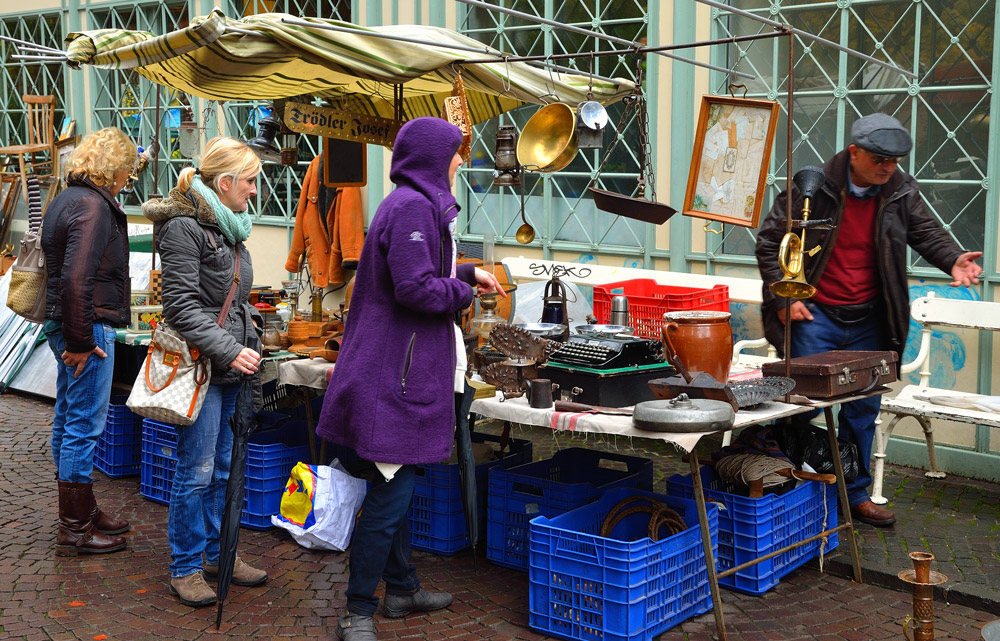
x: 517, y: 410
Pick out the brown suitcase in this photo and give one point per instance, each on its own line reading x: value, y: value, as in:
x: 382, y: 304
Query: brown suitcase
x: 838, y: 372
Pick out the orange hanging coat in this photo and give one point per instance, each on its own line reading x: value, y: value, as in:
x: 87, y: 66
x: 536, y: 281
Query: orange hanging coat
x: 330, y: 240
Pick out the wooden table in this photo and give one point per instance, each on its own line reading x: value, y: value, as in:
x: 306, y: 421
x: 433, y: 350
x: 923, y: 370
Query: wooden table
x: 517, y: 410
x: 310, y: 377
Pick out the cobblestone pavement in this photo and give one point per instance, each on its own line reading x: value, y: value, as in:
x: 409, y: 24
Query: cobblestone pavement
x: 124, y: 597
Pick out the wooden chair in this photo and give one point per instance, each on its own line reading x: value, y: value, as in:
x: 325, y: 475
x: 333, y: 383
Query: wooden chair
x: 40, y: 114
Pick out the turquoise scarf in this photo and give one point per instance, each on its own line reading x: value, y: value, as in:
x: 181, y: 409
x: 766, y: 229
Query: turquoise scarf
x: 235, y: 226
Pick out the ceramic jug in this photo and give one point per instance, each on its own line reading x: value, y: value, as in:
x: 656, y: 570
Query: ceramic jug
x: 703, y: 340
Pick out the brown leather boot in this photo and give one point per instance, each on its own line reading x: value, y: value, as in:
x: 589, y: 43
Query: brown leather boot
x: 77, y: 534
x: 105, y: 523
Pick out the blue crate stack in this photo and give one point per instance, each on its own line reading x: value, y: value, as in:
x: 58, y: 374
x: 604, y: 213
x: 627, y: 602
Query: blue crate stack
x: 271, y: 455
x: 119, y: 448
x: 437, y: 520
x: 571, y: 478
x: 751, y: 528
x: 624, y: 587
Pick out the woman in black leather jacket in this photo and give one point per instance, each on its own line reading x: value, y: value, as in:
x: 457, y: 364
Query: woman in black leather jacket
x: 200, y: 226
x: 85, y: 240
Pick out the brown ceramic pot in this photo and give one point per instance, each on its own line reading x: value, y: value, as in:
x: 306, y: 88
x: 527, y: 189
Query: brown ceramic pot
x: 703, y: 341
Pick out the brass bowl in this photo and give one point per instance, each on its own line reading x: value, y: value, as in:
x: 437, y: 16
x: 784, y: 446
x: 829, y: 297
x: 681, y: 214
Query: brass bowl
x: 548, y: 141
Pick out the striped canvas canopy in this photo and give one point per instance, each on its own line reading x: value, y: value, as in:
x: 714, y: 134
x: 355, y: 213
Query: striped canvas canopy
x: 351, y: 71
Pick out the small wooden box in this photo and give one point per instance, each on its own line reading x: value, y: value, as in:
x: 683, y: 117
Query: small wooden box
x: 838, y: 372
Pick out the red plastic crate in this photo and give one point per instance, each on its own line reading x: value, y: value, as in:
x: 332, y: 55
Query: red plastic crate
x: 648, y: 301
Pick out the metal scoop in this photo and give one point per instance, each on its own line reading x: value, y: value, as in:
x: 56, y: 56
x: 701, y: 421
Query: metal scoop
x: 525, y: 233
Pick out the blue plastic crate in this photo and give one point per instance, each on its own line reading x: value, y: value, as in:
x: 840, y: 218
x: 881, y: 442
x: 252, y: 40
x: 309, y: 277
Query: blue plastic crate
x: 437, y: 520
x: 751, y: 528
x: 119, y: 448
x: 625, y: 587
x: 271, y: 455
x: 571, y: 478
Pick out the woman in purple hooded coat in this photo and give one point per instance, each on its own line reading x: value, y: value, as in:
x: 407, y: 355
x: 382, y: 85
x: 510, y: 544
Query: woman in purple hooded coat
x: 391, y: 397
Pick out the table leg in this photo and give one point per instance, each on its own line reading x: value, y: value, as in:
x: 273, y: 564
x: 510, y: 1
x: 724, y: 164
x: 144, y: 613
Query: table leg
x: 706, y: 542
x: 311, y: 428
x: 845, y: 508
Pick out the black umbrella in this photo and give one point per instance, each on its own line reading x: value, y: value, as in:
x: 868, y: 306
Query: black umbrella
x: 467, y: 467
x: 243, y: 422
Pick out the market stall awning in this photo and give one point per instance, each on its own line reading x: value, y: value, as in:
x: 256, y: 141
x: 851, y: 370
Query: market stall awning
x: 215, y: 58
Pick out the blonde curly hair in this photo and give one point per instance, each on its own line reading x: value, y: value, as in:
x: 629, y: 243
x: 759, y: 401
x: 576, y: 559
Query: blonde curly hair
x: 101, y: 155
x: 223, y: 156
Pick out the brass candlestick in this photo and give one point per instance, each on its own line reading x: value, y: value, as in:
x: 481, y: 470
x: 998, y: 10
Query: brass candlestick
x: 923, y: 580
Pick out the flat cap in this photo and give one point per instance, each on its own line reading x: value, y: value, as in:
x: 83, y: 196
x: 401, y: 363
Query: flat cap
x: 882, y: 135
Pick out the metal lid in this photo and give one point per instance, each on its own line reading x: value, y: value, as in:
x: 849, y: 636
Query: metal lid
x: 696, y: 314
x: 683, y: 414
x: 619, y: 304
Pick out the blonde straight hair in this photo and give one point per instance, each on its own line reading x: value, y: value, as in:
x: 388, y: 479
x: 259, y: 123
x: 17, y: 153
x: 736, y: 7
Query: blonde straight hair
x: 223, y: 156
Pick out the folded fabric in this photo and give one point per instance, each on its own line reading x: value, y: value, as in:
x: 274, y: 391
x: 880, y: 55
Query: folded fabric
x: 976, y: 402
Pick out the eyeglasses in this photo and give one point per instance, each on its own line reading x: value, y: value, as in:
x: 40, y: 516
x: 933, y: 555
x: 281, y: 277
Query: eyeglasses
x: 884, y: 160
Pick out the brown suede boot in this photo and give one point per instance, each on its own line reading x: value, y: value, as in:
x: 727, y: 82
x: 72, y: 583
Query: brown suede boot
x: 77, y: 534
x: 105, y: 523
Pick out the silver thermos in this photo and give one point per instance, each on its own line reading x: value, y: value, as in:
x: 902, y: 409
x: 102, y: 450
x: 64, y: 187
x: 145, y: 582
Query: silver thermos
x: 619, y: 311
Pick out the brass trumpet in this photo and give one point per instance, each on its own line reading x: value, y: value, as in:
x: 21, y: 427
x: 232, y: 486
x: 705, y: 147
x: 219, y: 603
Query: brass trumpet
x: 790, y: 258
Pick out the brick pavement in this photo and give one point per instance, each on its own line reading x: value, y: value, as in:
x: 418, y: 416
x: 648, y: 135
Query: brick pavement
x: 124, y: 595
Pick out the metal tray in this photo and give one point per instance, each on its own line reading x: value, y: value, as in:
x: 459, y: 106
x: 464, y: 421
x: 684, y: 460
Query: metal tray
x: 755, y: 391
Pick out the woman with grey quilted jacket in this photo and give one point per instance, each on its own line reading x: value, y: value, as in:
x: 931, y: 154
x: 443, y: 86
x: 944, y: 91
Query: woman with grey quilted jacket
x: 200, y: 227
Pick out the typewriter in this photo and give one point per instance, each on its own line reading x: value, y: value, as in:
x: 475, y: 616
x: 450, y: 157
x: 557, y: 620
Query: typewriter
x: 608, y: 352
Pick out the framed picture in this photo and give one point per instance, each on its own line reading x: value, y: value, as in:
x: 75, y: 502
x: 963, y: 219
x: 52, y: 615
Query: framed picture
x: 68, y: 128
x: 732, y: 150
x: 63, y: 149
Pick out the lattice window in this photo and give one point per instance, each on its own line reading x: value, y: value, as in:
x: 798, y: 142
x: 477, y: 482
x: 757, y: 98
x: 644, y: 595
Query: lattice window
x: 558, y: 205
x: 949, y: 45
x: 138, y: 107
x: 279, y: 186
x: 21, y: 77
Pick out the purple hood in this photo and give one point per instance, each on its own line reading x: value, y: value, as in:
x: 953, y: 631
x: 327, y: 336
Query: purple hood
x: 391, y: 393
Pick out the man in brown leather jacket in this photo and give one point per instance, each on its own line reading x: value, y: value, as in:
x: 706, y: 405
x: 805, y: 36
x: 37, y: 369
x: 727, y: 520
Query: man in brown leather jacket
x: 862, y: 298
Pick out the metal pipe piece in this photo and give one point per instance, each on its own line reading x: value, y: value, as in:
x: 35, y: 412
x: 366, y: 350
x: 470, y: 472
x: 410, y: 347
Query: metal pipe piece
x: 801, y: 34
x: 43, y: 58
x: 30, y: 44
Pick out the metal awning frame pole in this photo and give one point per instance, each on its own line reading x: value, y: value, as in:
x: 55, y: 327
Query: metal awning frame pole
x: 801, y: 34
x: 634, y: 47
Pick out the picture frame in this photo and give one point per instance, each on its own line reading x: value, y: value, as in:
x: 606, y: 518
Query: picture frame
x: 68, y: 128
x: 732, y: 151
x: 11, y: 196
x: 63, y: 149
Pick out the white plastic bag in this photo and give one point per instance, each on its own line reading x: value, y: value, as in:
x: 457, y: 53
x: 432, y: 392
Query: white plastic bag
x: 319, y: 506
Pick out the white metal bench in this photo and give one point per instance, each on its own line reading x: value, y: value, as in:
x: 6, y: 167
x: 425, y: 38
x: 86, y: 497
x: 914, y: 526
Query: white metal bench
x: 911, y: 400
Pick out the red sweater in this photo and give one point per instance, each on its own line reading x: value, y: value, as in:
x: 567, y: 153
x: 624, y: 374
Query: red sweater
x: 850, y: 276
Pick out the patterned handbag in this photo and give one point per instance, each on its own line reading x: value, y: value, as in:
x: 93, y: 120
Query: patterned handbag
x: 28, y: 275
x: 172, y: 385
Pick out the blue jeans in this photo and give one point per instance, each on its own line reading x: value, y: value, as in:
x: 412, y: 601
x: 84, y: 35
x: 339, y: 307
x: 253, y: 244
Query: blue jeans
x: 856, y: 420
x: 381, y: 543
x: 198, y: 493
x: 81, y: 409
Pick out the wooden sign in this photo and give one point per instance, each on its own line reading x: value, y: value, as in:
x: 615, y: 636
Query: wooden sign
x: 344, y: 125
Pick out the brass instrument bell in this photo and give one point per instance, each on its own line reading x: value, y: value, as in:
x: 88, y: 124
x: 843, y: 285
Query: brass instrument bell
x: 790, y: 258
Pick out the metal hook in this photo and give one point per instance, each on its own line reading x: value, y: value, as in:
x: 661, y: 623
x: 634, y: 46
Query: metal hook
x: 590, y: 80
x: 734, y: 86
x: 707, y: 227
x: 550, y: 90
